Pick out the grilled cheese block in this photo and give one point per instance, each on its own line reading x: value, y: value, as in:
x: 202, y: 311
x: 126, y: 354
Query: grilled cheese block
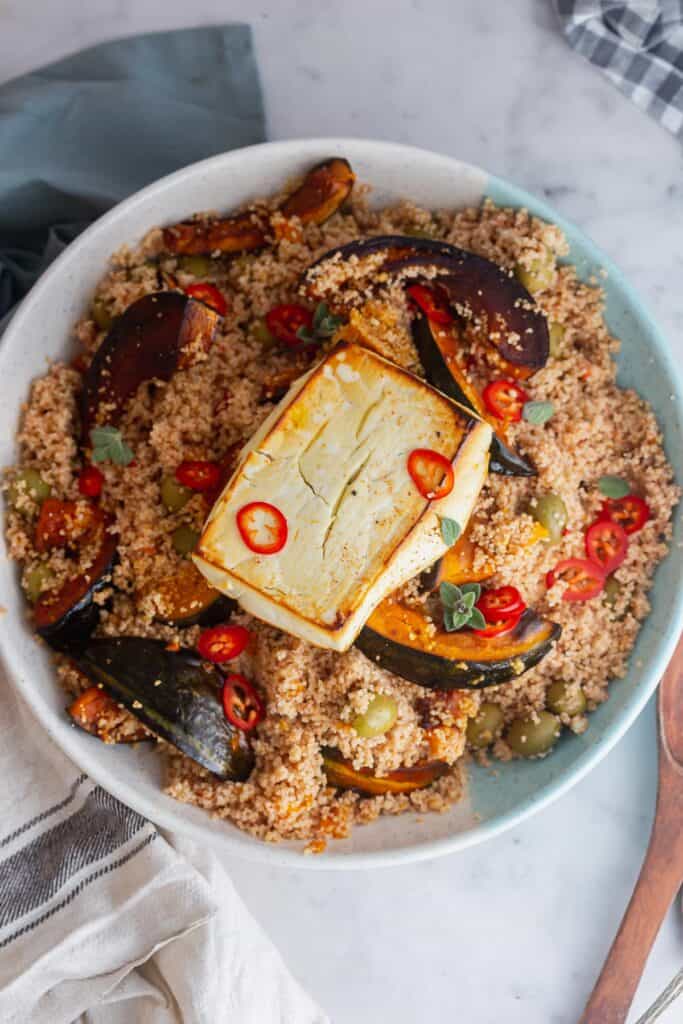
x: 332, y: 457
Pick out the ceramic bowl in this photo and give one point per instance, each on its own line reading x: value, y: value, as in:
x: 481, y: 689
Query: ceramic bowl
x: 41, y: 330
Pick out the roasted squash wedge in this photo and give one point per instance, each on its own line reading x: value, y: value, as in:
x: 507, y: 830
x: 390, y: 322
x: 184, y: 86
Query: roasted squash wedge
x: 186, y: 599
x: 456, y: 566
x: 321, y: 193
x: 99, y: 714
x: 440, y: 350
x: 157, y: 335
x: 343, y: 775
x: 175, y: 695
x: 402, y: 640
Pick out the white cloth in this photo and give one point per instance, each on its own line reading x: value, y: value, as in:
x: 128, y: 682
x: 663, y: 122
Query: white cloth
x: 104, y: 920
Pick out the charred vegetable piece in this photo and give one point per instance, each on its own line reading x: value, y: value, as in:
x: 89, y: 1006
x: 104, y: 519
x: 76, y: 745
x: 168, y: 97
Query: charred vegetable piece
x: 456, y: 566
x: 342, y: 774
x: 157, y: 335
x: 439, y: 349
x: 500, y: 311
x: 401, y: 640
x: 67, y: 617
x: 100, y: 715
x: 240, y: 233
x: 321, y: 193
x: 175, y: 696
x: 186, y: 599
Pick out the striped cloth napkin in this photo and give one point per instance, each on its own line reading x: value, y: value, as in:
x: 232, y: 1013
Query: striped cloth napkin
x: 638, y: 45
x: 104, y: 920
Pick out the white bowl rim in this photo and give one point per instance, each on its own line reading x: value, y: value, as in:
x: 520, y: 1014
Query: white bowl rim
x: 274, y: 854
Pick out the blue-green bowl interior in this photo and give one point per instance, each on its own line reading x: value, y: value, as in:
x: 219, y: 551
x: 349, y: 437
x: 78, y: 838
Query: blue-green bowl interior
x: 645, y: 363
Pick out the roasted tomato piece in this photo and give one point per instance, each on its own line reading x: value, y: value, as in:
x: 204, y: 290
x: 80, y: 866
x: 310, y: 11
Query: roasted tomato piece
x: 606, y: 544
x: 198, y: 474
x: 209, y: 295
x: 241, y: 703
x: 630, y: 512
x: 222, y: 643
x: 505, y: 400
x: 432, y: 303
x: 63, y: 523
x: 284, y: 321
x: 584, y: 579
x: 431, y: 472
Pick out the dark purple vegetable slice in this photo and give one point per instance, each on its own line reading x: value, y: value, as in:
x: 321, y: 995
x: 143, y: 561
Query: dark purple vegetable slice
x: 157, y: 335
x: 496, y: 305
x: 176, y: 695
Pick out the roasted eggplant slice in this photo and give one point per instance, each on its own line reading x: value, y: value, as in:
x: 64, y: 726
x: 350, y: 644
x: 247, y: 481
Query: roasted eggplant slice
x: 100, y: 715
x: 67, y: 617
x: 343, y: 775
x: 175, y: 696
x: 244, y: 232
x: 321, y: 193
x: 496, y: 306
x: 157, y: 335
x: 439, y: 351
x: 186, y: 599
x: 402, y: 640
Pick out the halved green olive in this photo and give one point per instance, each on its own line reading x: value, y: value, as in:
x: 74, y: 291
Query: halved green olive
x: 184, y: 539
x: 556, y: 334
x: 529, y: 738
x: 380, y: 716
x: 262, y: 333
x: 538, y: 273
x: 483, y: 730
x: 101, y: 314
x: 28, y: 482
x: 565, y: 699
x: 173, y: 494
x: 551, y: 512
x: 199, y: 266
x: 611, y: 591
x: 36, y: 580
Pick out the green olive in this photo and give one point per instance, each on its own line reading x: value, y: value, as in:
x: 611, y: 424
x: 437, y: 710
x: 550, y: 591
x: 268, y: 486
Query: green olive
x: 565, y: 699
x: 173, y: 494
x: 184, y: 539
x: 28, y: 482
x: 381, y: 714
x: 36, y: 580
x: 556, y: 334
x: 101, y: 314
x: 538, y: 273
x: 551, y: 512
x: 528, y: 738
x: 611, y: 591
x: 262, y: 333
x: 482, y: 730
x: 199, y: 266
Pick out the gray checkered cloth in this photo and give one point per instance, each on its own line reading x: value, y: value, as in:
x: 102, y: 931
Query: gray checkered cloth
x: 638, y: 45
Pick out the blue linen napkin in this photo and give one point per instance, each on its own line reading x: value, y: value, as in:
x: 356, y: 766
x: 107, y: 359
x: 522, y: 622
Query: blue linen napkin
x: 82, y: 134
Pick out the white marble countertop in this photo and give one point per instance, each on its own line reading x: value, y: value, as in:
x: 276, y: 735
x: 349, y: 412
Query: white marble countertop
x: 514, y: 930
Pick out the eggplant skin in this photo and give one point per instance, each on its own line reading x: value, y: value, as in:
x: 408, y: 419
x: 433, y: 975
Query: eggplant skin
x: 470, y: 281
x: 437, y: 672
x: 175, y: 695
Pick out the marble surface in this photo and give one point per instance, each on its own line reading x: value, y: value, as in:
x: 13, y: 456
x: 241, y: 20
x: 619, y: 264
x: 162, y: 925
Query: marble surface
x: 515, y: 930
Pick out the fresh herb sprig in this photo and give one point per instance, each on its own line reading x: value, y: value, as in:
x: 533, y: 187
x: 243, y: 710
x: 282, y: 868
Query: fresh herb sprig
x: 450, y: 530
x: 538, y: 413
x: 458, y: 606
x: 613, y: 486
x: 108, y: 446
x: 324, y: 326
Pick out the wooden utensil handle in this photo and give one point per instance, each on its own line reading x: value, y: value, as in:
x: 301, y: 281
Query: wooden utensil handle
x: 658, y: 882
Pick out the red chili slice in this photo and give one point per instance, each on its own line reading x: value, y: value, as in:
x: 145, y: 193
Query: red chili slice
x: 501, y: 602
x: 606, y: 544
x: 263, y: 527
x: 242, y: 705
x: 222, y: 643
x: 505, y: 400
x: 501, y: 625
x: 630, y: 512
x: 209, y: 295
x: 432, y: 303
x: 198, y: 474
x: 432, y: 473
x: 284, y: 321
x: 90, y: 482
x: 585, y: 579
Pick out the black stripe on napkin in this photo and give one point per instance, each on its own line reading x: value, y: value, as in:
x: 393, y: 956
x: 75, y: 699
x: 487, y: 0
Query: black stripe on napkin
x: 46, y: 813
x: 34, y: 874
